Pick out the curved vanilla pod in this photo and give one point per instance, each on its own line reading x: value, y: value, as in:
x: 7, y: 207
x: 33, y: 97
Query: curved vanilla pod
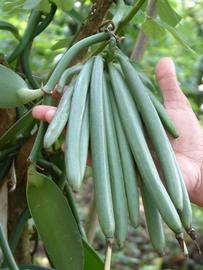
x: 155, y: 131
x: 141, y: 153
x: 153, y: 220
x: 73, y: 136
x: 116, y: 172
x: 67, y: 74
x: 100, y: 165
x: 128, y: 167
x: 60, y: 118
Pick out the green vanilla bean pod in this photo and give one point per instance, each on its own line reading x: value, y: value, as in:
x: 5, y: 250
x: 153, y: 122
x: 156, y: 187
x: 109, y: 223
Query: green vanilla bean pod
x: 73, y: 136
x: 7, y: 252
x: 141, y: 153
x: 165, y: 119
x: 116, y: 173
x: 186, y: 213
x: 60, y: 117
x: 67, y: 74
x: 99, y: 152
x: 70, y: 54
x: 84, y: 138
x: 128, y: 166
x: 27, y: 36
x: 153, y: 220
x: 155, y: 130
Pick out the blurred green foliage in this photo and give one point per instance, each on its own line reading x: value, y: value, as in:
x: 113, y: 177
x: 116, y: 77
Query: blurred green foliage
x: 46, y: 51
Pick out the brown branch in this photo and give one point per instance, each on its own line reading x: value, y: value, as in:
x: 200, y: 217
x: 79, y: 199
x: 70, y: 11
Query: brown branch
x: 90, y: 26
x: 142, y: 40
x: 95, y: 18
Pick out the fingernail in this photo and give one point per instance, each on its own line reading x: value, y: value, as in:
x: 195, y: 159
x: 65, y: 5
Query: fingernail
x: 49, y: 115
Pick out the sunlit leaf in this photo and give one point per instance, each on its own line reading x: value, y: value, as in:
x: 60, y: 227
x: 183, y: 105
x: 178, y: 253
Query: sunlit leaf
x: 152, y: 29
x: 30, y: 4
x: 167, y: 13
x: 64, y: 5
x: 62, y: 43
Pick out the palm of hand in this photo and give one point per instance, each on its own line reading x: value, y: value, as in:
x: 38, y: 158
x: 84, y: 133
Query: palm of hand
x: 188, y: 146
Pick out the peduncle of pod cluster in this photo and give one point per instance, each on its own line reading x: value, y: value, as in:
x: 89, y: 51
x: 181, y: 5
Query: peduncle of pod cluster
x: 108, y: 106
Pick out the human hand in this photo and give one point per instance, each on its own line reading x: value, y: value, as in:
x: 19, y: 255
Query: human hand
x: 189, y: 146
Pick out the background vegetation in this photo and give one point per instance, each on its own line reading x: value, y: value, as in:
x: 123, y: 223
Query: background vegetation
x: 46, y: 51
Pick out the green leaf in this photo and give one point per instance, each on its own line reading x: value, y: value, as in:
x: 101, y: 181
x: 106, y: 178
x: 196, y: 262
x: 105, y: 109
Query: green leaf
x: 64, y: 5
x: 11, y: 82
x: 44, y: 6
x: 92, y: 259
x: 167, y: 13
x: 62, y: 43
x: 178, y: 37
x: 152, y: 29
x: 30, y: 4
x: 54, y: 221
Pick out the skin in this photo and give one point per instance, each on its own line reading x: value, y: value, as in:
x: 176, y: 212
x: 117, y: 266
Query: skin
x: 188, y: 146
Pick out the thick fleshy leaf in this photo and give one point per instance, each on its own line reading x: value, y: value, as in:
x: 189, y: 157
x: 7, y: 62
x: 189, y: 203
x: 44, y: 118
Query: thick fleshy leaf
x: 54, y: 221
x: 92, y: 259
x: 10, y: 83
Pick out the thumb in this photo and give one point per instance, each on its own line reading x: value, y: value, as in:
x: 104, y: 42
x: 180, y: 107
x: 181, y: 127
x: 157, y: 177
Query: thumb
x: 169, y: 86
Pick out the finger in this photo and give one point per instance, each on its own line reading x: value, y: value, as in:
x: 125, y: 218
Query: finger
x: 169, y: 86
x: 43, y: 112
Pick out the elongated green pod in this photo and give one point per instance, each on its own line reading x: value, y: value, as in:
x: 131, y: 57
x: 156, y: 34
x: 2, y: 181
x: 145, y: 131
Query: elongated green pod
x: 186, y: 213
x: 7, y: 252
x: 54, y: 221
x: 164, y: 117
x: 99, y: 151
x: 84, y: 138
x: 67, y: 74
x: 116, y: 173
x: 153, y: 220
x: 11, y: 82
x: 155, y: 130
x: 70, y: 54
x: 73, y: 136
x: 60, y: 118
x: 134, y: 133
x: 128, y: 166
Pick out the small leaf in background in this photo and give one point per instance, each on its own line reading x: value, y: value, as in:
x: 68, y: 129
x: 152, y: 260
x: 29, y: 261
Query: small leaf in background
x: 177, y: 36
x: 64, y: 5
x: 62, y: 43
x: 152, y: 29
x: 167, y: 13
x: 30, y: 4
x: 44, y: 6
